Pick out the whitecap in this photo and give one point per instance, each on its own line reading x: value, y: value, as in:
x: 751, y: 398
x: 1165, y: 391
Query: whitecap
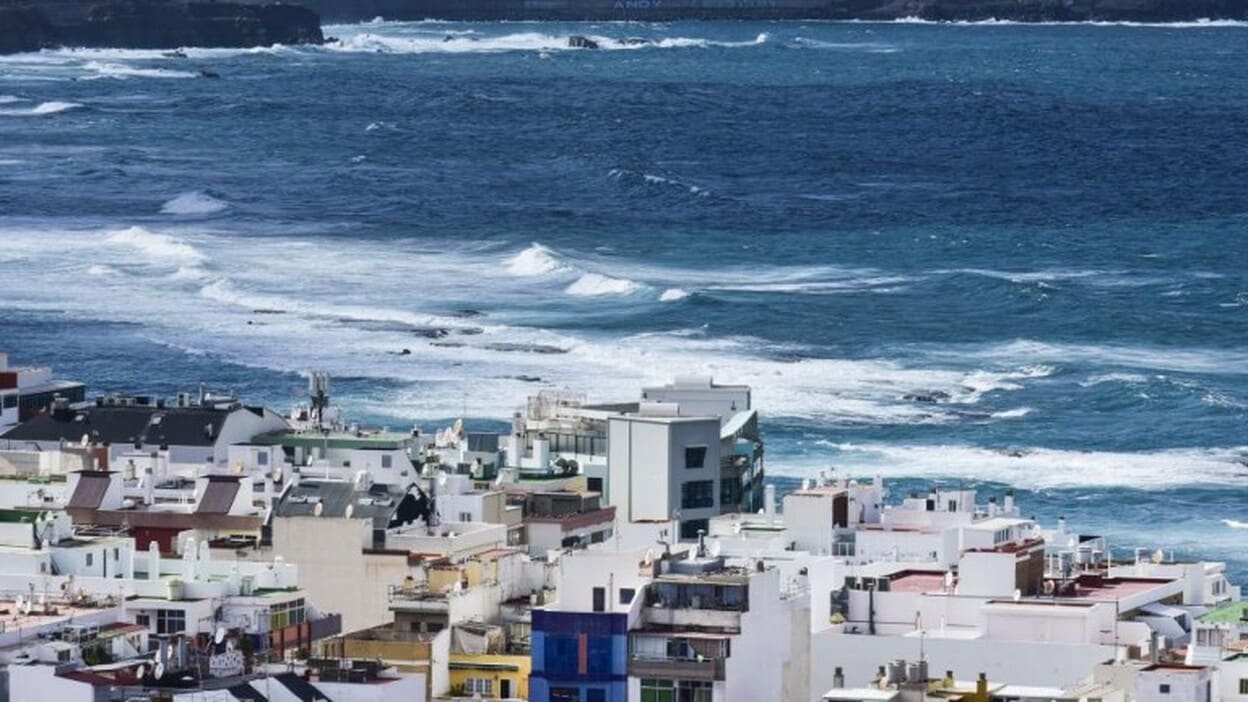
x: 1037, y: 467
x: 122, y: 70
x: 673, y: 294
x: 156, y: 247
x: 535, y: 261
x: 44, y: 108
x: 1235, y: 524
x: 195, y: 202
x: 594, y: 284
x: 101, y: 271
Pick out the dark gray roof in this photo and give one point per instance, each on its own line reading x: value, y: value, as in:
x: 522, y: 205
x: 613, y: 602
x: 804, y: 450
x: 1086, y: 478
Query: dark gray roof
x: 153, y: 426
x: 300, y: 688
x: 381, y: 503
x: 246, y: 693
x: 89, y: 492
x: 482, y: 442
x: 219, y: 495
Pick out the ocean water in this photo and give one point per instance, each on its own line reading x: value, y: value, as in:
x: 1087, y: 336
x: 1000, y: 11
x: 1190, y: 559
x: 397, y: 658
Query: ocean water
x: 990, y: 255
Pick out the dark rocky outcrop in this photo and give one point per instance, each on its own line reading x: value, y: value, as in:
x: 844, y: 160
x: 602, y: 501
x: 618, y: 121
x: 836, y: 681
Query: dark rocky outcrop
x: 152, y: 24
x: 661, y: 10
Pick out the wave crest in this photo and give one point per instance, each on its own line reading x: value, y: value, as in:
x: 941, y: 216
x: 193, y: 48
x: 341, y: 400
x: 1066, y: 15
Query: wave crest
x: 195, y: 202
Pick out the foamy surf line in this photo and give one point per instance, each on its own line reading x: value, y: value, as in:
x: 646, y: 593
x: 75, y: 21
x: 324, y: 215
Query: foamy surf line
x: 472, y: 43
x: 1028, y: 467
x: 44, y: 108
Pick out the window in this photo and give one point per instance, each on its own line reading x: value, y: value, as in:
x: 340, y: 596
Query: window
x: 595, y: 694
x: 170, y: 621
x: 565, y: 694
x: 729, y: 491
x: 695, y: 456
x: 262, y: 459
x: 697, y: 494
x: 1163, y: 689
x: 485, y: 686
x: 626, y: 595
x: 658, y: 690
x: 594, y: 484
x: 600, y: 599
x: 143, y: 619
x: 1243, y: 686
x: 597, y: 537
x: 90, y: 559
x: 387, y: 461
x: 116, y: 554
x: 465, y: 516
x: 286, y: 614
x: 689, y: 529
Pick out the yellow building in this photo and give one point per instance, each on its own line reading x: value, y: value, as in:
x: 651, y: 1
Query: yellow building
x: 493, y: 675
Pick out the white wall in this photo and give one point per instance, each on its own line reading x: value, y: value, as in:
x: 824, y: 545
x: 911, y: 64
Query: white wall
x: 409, y: 688
x: 39, y: 683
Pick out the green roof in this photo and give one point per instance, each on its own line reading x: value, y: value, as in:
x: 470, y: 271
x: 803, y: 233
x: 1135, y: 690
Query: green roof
x: 1228, y: 614
x: 14, y: 516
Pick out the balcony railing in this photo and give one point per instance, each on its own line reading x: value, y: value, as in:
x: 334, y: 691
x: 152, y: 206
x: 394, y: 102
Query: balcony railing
x: 707, y: 669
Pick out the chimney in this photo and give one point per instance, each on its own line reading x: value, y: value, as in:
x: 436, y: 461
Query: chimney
x: 838, y: 679
x: 981, y: 688
x: 1009, y: 502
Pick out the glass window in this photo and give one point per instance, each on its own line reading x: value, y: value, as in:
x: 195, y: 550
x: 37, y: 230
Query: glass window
x: 697, y: 494
x: 695, y: 456
x: 1164, y: 689
x: 693, y: 691
x: 387, y: 461
x: 262, y: 459
x: 562, y: 655
x: 596, y: 694
x: 90, y: 559
x: 689, y: 529
x: 485, y: 686
x: 657, y: 690
x: 626, y: 595
x: 1243, y: 686
x: 729, y: 491
x: 565, y: 694
x: 286, y: 614
x: 600, y: 599
x: 170, y: 621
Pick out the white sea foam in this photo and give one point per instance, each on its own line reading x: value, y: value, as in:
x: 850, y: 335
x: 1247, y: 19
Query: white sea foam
x: 1188, y: 360
x: 1125, y: 378
x: 123, y: 70
x: 195, y: 202
x: 1205, y: 23
x: 534, y: 261
x: 7, y: 99
x: 595, y: 284
x: 1235, y: 524
x: 156, y: 247
x: 404, y: 41
x: 1034, y: 468
x: 44, y: 108
x: 673, y: 294
x: 100, y: 271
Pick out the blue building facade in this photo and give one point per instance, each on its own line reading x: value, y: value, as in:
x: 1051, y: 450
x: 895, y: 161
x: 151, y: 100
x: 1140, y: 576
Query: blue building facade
x: 579, y: 657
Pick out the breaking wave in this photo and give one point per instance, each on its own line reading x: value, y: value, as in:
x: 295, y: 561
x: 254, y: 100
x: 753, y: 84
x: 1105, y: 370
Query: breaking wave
x: 1040, y: 468
x: 594, y: 284
x: 673, y: 294
x: 156, y: 247
x: 122, y: 70
x: 535, y: 261
x: 194, y: 202
x: 449, y: 42
x: 44, y: 108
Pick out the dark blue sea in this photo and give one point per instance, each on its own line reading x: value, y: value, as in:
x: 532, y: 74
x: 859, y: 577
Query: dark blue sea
x: 990, y: 255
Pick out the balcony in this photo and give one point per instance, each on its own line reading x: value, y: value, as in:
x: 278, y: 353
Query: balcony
x: 709, y: 669
x: 689, y: 618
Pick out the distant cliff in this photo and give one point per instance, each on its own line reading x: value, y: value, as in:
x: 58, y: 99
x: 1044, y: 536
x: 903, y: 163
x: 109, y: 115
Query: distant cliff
x: 658, y: 10
x: 146, y: 24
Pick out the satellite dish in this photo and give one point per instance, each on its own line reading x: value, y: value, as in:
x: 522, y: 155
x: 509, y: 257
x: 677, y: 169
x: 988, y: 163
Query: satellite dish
x: 317, y: 509
x: 85, y: 441
x: 442, y: 478
x: 648, y: 560
x: 219, y: 636
x: 1159, y: 556
x: 141, y: 672
x: 350, y: 510
x: 159, y: 671
x: 715, y: 549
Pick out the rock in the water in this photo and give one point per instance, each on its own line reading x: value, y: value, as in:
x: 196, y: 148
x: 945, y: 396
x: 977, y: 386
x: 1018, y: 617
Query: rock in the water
x: 576, y: 41
x: 30, y: 25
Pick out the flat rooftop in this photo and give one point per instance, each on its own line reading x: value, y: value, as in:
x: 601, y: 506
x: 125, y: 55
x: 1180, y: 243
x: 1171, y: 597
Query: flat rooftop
x: 917, y: 581
x: 1112, y: 590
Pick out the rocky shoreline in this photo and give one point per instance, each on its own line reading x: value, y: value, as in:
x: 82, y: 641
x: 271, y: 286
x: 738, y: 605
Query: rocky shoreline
x: 153, y: 25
